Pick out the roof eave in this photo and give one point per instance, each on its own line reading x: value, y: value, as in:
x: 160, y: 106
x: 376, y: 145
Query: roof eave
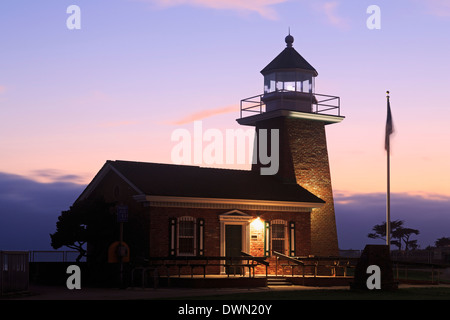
x: 266, y: 71
x: 221, y: 203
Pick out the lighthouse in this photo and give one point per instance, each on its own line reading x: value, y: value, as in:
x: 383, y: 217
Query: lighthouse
x: 291, y: 105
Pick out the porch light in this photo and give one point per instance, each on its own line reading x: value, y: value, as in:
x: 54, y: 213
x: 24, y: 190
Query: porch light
x: 257, y: 224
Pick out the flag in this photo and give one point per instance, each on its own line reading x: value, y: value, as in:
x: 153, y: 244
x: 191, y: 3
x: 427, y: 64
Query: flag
x: 389, y: 125
x: 389, y: 131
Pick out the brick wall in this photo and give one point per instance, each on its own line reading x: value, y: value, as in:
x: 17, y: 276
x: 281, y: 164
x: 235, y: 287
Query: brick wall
x: 159, y: 228
x: 159, y: 232
x: 310, y: 158
x: 304, y: 159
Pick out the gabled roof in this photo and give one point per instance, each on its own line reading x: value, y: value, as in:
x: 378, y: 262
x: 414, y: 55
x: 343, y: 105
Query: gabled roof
x: 289, y: 58
x: 157, y: 179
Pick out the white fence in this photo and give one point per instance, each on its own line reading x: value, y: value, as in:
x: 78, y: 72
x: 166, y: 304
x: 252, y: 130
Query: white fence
x: 54, y: 256
x: 433, y: 255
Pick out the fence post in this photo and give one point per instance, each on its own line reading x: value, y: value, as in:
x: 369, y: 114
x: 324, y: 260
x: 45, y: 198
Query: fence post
x: 432, y: 274
x: 276, y: 266
x: 1, y: 273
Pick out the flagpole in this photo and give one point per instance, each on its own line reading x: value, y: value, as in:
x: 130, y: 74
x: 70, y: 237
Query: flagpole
x: 388, y: 193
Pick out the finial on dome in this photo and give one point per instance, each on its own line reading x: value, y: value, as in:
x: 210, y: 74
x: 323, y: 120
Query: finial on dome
x: 289, y: 39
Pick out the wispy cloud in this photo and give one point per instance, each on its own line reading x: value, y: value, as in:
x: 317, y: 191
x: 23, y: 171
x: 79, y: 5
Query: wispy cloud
x: 204, y: 114
x: 2, y: 89
x: 330, y: 10
x: 263, y: 7
x: 55, y: 176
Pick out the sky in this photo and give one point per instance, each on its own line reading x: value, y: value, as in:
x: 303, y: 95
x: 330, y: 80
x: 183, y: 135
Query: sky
x: 137, y: 70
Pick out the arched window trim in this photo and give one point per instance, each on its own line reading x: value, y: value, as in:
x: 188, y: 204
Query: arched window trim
x: 276, y: 237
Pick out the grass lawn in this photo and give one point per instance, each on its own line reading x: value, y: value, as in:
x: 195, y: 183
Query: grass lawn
x: 425, y: 293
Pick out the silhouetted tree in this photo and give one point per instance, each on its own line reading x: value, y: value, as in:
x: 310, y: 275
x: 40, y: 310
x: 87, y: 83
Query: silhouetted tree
x: 380, y: 231
x: 399, y: 234
x: 405, y: 235
x: 89, y: 221
x: 442, y: 242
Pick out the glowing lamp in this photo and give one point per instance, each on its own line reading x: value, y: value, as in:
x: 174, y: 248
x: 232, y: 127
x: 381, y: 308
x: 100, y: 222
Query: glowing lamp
x: 257, y: 224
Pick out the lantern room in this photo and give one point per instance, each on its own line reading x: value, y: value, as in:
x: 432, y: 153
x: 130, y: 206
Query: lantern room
x: 289, y: 90
x: 289, y: 81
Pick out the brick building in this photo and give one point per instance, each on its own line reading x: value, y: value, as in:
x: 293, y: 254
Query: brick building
x: 189, y: 211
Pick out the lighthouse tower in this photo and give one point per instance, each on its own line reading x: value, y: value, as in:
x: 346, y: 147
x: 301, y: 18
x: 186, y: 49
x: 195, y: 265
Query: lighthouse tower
x: 290, y: 105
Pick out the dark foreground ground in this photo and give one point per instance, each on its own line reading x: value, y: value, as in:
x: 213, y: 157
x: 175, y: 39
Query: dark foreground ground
x: 405, y: 292
x: 229, y: 303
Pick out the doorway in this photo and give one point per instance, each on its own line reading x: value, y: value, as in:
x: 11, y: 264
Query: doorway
x: 233, y: 246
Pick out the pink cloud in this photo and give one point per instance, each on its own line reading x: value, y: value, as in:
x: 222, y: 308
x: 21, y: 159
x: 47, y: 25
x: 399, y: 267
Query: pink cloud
x: 330, y: 9
x: 2, y: 89
x: 262, y: 7
x: 55, y: 175
x: 204, y: 114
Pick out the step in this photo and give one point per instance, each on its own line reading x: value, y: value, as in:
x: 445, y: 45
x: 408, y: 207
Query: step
x: 278, y: 281
x: 276, y: 284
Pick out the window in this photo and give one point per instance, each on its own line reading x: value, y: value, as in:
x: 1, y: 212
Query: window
x: 278, y: 228
x: 186, y: 236
x: 296, y: 81
x: 289, y: 86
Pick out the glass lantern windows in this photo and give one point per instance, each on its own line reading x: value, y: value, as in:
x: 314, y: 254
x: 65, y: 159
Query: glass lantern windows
x: 288, y: 81
x: 289, y: 86
x: 269, y: 83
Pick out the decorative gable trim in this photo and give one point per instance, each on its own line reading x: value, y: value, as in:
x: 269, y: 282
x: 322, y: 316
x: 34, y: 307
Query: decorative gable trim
x: 235, y: 215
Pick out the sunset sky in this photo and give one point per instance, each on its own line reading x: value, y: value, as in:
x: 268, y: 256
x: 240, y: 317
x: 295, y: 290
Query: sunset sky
x: 137, y: 70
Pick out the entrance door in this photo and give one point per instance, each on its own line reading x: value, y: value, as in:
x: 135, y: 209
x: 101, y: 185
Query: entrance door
x: 233, y: 246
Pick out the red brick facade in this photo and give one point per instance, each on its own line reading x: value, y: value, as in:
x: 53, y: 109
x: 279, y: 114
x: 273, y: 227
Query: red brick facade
x: 148, y: 234
x: 255, y: 241
x: 304, y: 160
